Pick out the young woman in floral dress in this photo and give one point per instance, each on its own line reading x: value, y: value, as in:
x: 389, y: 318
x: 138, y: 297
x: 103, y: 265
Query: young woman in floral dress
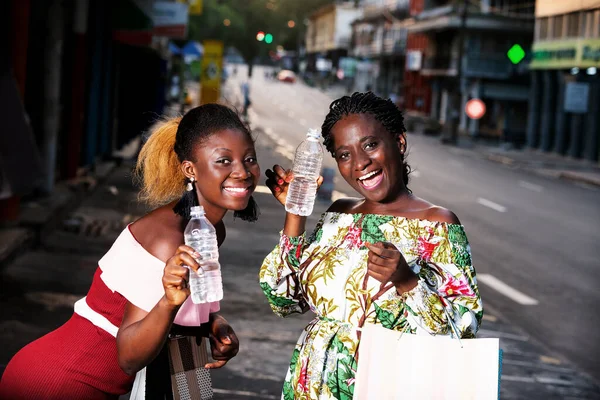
x: 388, y: 258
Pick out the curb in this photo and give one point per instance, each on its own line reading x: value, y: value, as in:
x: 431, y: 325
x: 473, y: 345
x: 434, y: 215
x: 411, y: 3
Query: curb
x: 37, y: 221
x: 577, y: 177
x: 562, y: 174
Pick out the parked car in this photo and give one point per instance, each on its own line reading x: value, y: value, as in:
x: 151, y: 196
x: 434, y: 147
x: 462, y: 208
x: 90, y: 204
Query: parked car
x: 286, y: 75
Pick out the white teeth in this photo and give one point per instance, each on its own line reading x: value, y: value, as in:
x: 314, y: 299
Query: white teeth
x: 238, y: 190
x: 367, y: 176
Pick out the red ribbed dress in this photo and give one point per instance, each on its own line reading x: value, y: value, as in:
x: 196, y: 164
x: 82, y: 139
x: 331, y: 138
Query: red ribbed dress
x: 79, y: 359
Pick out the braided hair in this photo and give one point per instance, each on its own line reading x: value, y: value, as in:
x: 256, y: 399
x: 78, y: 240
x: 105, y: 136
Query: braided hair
x: 383, y: 110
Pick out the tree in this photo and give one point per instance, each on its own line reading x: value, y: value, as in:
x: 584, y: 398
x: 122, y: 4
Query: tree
x: 247, y: 17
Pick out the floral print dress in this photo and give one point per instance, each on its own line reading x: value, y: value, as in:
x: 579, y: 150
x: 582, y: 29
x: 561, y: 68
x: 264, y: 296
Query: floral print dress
x: 327, y: 273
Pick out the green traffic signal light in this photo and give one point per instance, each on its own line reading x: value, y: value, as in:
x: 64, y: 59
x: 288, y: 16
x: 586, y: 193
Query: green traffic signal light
x: 516, y: 54
x: 268, y: 38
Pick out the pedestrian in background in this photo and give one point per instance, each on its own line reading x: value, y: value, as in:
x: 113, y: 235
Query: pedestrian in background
x: 139, y: 301
x: 245, y: 98
x: 388, y: 258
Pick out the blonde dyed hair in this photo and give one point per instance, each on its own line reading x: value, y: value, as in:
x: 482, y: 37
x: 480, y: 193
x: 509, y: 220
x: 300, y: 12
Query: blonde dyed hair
x: 158, y: 167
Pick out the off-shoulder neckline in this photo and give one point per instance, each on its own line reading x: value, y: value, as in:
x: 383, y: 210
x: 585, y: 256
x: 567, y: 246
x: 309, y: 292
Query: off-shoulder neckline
x: 395, y: 217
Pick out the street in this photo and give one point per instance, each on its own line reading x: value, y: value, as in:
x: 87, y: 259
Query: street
x: 534, y: 242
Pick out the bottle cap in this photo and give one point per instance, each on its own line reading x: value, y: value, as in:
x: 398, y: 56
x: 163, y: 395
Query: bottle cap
x: 197, y: 210
x: 314, y: 133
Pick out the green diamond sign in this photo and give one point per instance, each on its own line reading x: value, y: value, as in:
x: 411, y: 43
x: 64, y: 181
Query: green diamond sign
x: 516, y: 54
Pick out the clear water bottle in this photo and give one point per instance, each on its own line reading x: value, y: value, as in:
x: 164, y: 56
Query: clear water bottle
x: 206, y: 284
x: 307, y: 167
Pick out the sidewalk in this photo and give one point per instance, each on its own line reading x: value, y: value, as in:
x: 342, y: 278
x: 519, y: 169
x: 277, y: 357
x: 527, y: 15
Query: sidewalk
x: 40, y: 216
x: 534, y: 161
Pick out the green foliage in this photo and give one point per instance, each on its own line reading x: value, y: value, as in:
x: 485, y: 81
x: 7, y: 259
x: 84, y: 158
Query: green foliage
x: 247, y: 17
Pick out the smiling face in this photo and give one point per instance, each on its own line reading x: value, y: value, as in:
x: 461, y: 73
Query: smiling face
x: 225, y: 169
x: 369, y: 157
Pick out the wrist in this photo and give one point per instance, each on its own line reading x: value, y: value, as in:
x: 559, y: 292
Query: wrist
x: 166, y: 304
x: 294, y: 225
x: 407, y: 285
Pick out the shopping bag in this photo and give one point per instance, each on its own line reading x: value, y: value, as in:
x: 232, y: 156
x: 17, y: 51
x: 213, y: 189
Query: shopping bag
x: 393, y: 365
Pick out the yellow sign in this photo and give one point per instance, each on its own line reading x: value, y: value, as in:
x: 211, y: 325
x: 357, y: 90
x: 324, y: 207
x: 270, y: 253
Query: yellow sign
x: 195, y: 6
x: 210, y: 71
x: 564, y: 54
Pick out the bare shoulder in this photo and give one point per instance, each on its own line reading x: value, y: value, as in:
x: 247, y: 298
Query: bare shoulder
x: 159, y: 233
x: 441, y: 214
x: 345, y: 205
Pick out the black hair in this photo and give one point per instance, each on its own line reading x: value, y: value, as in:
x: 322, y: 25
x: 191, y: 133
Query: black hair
x: 201, y: 122
x: 384, y: 111
x: 195, y: 127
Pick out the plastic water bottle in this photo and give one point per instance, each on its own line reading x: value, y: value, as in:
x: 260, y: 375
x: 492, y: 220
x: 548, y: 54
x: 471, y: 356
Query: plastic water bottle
x: 206, y: 284
x: 307, y: 167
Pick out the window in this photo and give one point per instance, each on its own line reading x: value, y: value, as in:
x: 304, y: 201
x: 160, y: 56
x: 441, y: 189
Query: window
x: 557, y: 27
x: 586, y: 23
x: 573, y: 24
x: 542, y: 28
x: 596, y: 24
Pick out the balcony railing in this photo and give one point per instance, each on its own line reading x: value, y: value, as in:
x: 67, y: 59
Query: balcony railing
x: 488, y: 66
x: 377, y: 7
x: 440, y: 65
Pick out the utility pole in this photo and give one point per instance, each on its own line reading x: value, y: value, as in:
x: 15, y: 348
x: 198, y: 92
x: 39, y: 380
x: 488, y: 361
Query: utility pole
x: 52, y: 83
x: 450, y: 135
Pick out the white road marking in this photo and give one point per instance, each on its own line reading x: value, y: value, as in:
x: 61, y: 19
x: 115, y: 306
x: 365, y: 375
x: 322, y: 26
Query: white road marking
x: 491, y: 318
x: 245, y: 393
x: 262, y: 189
x: 491, y: 204
x: 552, y: 381
x: 506, y: 290
x: 533, y: 365
x: 503, y: 335
x: 531, y: 186
x: 514, y: 378
x: 337, y: 195
x: 280, y: 142
x: 415, y: 174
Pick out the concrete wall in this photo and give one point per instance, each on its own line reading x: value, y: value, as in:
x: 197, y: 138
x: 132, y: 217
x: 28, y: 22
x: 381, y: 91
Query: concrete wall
x: 344, y: 16
x: 545, y: 8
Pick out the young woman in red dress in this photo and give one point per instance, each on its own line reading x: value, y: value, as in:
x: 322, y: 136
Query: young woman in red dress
x: 139, y: 294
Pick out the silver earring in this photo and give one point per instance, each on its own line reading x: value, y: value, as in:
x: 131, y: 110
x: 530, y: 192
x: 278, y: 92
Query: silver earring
x: 190, y: 185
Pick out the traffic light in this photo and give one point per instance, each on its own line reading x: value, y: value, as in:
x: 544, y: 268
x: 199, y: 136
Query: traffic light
x: 268, y: 38
x: 516, y: 54
x: 260, y: 36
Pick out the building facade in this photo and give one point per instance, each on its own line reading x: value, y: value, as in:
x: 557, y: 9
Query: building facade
x: 328, y: 35
x: 565, y: 86
x: 379, y: 43
x: 477, y: 65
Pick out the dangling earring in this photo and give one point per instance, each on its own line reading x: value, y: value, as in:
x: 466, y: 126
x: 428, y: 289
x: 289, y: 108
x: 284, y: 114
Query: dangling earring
x: 190, y: 185
x: 188, y: 200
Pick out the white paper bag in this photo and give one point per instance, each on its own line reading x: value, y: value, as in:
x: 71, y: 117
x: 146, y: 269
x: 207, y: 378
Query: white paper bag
x: 394, y: 366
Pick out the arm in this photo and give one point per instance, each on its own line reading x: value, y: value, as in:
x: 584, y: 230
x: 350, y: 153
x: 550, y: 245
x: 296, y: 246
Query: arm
x: 446, y: 299
x: 437, y: 293
x: 142, y: 335
x: 278, y: 274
